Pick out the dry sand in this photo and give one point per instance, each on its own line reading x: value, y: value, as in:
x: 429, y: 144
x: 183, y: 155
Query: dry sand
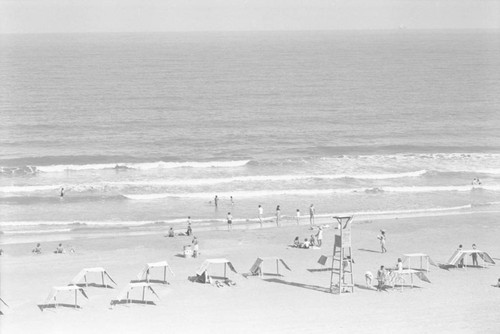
x: 457, y: 300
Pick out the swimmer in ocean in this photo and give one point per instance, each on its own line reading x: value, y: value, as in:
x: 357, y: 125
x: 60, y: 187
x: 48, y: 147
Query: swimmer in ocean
x: 62, y: 192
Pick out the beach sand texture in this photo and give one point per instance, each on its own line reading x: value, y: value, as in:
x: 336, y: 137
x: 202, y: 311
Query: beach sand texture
x: 457, y: 300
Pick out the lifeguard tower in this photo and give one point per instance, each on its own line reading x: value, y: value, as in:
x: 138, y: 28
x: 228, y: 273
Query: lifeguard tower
x: 342, y: 258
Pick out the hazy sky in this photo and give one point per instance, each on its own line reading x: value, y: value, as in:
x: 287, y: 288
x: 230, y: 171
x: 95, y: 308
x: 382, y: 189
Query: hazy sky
x: 32, y: 16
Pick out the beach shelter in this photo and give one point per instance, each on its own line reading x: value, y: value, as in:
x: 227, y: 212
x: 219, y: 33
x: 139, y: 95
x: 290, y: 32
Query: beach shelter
x: 145, y: 274
x: 125, y: 296
x: 203, y: 273
x: 258, y: 265
x: 51, y: 300
x: 401, y: 276
x: 3, y: 302
x: 425, y: 260
x: 85, y: 271
x: 460, y: 255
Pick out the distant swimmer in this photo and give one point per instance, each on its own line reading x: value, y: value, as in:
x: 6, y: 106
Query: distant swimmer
x: 476, y: 182
x: 62, y: 192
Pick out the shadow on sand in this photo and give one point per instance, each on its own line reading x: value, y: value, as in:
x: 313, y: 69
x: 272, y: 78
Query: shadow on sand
x: 53, y: 306
x: 94, y: 285
x: 299, y: 285
x: 368, y: 250
x: 132, y: 301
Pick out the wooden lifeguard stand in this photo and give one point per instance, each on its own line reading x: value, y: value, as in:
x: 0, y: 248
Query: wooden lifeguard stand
x: 342, y: 258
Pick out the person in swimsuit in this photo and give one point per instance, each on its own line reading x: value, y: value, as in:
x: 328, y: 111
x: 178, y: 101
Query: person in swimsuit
x: 229, y: 221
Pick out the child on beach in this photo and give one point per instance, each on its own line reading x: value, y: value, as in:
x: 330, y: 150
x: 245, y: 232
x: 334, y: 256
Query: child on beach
x: 306, y: 244
x: 368, y: 279
x: 399, y: 265
x: 229, y: 221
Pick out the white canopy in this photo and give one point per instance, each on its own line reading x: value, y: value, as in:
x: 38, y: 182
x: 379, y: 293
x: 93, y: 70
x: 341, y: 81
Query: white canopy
x: 124, y: 295
x: 146, y: 272
x: 83, y: 274
x: 462, y: 255
x: 256, y: 269
x: 400, y: 276
x: 51, y: 299
x: 203, y: 270
x: 425, y: 260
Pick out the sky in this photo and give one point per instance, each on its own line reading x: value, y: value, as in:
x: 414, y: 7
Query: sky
x: 77, y: 16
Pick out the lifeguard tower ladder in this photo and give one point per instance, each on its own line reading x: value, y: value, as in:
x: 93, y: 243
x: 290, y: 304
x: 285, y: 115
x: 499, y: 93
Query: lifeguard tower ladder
x: 342, y: 258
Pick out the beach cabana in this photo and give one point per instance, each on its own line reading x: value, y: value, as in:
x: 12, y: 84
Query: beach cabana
x: 425, y: 260
x: 259, y: 263
x: 203, y: 274
x: 85, y: 271
x: 145, y: 274
x: 125, y: 296
x: 464, y: 255
x: 52, y: 301
x: 400, y: 277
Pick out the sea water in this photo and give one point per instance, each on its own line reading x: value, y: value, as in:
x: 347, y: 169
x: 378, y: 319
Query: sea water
x: 147, y: 128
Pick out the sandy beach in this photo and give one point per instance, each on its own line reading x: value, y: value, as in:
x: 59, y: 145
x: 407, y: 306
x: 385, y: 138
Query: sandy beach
x: 457, y: 300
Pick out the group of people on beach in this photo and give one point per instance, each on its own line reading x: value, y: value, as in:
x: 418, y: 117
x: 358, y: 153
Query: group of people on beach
x: 59, y: 249
x: 314, y: 241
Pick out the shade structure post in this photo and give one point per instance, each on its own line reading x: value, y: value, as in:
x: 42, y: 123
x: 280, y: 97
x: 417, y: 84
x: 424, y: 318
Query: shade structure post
x: 102, y: 278
x: 128, y: 297
x: 164, y: 274
x: 143, y: 292
x: 85, y: 277
x: 277, y: 267
x: 76, y: 297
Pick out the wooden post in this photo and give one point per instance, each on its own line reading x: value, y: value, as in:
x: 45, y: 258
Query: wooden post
x: 225, y: 264
x: 165, y: 274
x: 102, y: 278
x: 143, y: 292
x: 277, y: 267
x: 76, y: 298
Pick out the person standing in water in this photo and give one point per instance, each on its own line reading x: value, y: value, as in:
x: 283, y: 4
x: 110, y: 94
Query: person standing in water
x: 312, y: 212
x: 216, y: 200
x: 62, y: 192
x: 229, y: 221
x: 278, y: 215
x: 261, y: 212
x: 232, y: 201
x: 298, y: 216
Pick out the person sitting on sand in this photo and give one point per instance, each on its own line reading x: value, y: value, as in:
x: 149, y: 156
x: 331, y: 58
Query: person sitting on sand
x: 171, y: 233
x: 306, y: 244
x: 37, y: 249
x: 195, y: 247
x: 1, y: 252
x: 296, y: 242
x: 59, y: 249
x: 189, y: 230
x: 381, y: 277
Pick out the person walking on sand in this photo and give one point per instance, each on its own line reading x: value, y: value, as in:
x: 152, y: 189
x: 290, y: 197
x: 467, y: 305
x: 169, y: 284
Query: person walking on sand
x: 381, y: 237
x: 278, y: 215
x: 312, y: 212
x: 319, y: 236
x: 261, y: 212
x: 298, y: 216
x: 229, y: 221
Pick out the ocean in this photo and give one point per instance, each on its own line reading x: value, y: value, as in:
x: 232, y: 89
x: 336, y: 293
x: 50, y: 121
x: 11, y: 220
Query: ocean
x: 143, y: 130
